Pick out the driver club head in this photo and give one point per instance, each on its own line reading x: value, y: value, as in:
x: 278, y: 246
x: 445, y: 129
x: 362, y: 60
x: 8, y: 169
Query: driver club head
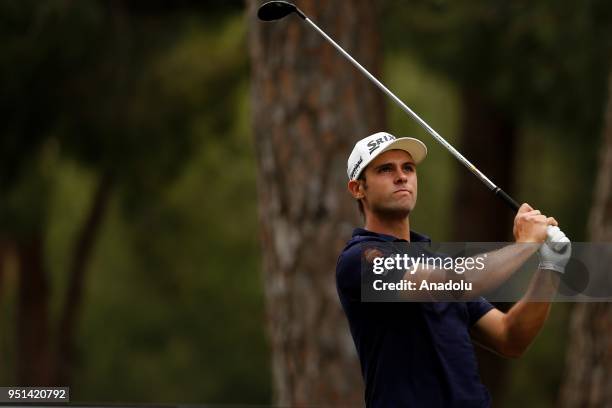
x: 275, y: 10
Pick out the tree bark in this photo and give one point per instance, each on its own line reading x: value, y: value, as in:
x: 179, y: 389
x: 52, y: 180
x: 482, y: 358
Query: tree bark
x: 589, y: 358
x: 309, y: 107
x: 488, y: 137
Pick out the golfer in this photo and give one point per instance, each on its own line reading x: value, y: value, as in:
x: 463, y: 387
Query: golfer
x: 420, y: 354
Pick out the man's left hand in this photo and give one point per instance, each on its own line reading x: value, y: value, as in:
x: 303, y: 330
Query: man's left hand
x: 555, y: 252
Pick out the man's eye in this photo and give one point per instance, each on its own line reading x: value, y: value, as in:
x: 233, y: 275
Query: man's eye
x: 384, y: 169
x: 409, y: 167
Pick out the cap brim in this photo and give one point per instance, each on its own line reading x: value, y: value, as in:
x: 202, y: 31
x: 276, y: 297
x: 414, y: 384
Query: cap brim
x: 415, y: 147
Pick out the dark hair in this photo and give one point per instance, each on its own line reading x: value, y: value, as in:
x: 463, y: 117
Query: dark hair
x: 359, y: 203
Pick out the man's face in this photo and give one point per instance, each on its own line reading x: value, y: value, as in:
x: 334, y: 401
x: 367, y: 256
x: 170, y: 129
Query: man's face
x: 390, y: 188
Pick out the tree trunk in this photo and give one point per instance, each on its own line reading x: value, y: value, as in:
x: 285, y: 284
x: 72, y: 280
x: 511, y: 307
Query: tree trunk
x: 309, y: 107
x: 33, y: 339
x: 589, y: 359
x: 487, y: 140
x: 4, y: 249
x: 81, y: 255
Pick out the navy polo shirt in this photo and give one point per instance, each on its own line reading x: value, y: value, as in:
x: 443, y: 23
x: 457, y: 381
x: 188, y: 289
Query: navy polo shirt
x: 412, y: 354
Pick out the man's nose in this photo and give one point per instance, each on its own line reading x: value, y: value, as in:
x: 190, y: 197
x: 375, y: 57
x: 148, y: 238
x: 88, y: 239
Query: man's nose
x: 401, y: 177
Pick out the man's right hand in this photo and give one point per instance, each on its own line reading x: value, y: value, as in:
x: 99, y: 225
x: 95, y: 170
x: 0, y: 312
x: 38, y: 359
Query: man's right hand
x: 530, y: 225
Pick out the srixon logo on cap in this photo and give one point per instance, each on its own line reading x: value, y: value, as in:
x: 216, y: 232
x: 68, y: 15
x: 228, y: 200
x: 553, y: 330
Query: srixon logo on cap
x: 375, y: 144
x: 356, y: 167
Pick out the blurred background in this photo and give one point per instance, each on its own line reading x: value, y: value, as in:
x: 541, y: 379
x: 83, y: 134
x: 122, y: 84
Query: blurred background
x: 172, y: 185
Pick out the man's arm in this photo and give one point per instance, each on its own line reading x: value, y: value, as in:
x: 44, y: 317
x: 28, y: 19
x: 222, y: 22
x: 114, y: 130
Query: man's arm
x: 529, y: 232
x: 498, y: 266
x: 511, y: 333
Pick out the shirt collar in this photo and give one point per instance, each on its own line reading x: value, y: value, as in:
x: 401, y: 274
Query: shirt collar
x: 414, y: 236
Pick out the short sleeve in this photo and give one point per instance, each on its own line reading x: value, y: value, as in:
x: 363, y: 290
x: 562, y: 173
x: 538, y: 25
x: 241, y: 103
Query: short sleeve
x: 348, y: 273
x: 477, y: 309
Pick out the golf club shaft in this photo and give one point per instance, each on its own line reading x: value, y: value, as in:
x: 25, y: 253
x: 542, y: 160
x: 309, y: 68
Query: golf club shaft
x: 490, y: 185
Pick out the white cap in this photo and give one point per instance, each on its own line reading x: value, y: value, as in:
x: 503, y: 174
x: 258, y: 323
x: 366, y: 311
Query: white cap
x: 367, y: 149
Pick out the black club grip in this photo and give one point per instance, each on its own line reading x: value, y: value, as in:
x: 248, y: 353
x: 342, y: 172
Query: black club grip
x: 507, y: 199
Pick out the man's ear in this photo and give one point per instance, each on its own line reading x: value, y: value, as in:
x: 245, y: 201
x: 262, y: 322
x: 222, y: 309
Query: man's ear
x: 356, y: 189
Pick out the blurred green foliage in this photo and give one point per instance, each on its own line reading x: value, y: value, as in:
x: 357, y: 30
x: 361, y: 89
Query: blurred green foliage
x: 517, y: 53
x: 157, y: 97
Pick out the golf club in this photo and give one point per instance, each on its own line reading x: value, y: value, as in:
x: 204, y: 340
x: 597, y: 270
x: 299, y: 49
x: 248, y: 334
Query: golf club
x: 275, y: 10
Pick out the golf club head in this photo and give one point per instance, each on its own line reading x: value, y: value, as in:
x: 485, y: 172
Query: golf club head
x: 275, y: 10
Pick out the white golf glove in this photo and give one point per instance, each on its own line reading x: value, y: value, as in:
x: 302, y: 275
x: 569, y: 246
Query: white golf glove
x: 555, y: 252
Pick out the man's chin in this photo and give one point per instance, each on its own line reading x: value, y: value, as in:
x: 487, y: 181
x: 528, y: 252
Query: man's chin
x: 399, y: 212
